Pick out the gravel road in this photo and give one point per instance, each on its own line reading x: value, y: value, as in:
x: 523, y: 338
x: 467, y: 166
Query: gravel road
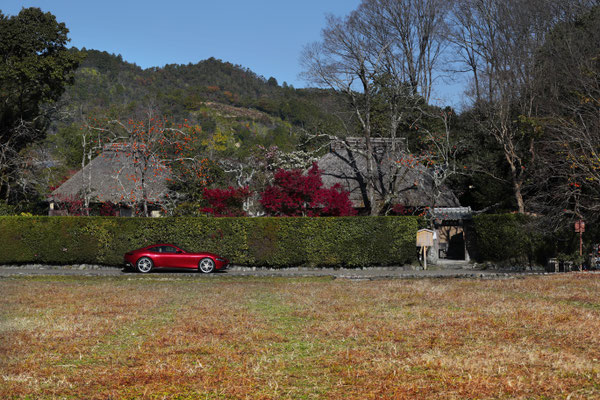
x: 371, y: 273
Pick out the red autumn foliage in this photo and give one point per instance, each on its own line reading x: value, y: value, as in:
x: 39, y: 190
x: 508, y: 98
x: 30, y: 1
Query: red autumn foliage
x: 226, y: 202
x: 400, y: 209
x: 334, y: 202
x: 296, y: 194
x: 109, y: 209
x: 74, y: 205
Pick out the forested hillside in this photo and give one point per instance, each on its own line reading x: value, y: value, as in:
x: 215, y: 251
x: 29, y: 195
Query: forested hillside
x: 107, y: 83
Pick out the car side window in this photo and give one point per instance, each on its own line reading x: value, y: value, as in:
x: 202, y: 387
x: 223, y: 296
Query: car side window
x: 156, y: 249
x: 169, y: 249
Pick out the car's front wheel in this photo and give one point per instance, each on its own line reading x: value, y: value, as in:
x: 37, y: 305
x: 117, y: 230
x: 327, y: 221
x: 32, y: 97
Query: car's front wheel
x: 206, y: 265
x: 144, y: 265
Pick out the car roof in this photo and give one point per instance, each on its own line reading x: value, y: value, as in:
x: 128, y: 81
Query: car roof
x: 160, y: 244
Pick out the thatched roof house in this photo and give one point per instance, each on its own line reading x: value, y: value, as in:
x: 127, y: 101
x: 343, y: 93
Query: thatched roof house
x: 118, y: 176
x: 346, y: 163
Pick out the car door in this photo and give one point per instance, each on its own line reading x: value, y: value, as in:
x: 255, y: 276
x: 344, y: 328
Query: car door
x: 185, y: 259
x: 156, y: 254
x: 171, y: 257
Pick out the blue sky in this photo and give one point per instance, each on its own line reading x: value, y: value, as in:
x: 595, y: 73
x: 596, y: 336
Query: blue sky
x: 266, y: 36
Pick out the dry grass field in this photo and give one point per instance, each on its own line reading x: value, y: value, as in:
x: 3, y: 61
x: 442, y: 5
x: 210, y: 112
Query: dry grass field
x: 157, y: 337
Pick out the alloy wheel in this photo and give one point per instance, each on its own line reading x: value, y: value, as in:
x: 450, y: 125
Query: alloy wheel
x: 206, y: 265
x: 144, y: 265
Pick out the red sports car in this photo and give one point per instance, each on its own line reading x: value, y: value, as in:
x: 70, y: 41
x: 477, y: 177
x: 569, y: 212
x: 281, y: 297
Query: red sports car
x: 170, y: 256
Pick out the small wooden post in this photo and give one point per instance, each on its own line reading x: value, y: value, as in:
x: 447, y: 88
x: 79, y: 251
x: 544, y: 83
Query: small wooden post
x: 580, y: 228
x: 424, y: 240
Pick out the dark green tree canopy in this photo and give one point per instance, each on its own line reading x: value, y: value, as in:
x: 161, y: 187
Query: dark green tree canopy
x: 35, y: 67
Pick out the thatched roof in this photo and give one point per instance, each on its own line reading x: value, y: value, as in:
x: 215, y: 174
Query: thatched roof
x: 115, y: 176
x: 414, y: 186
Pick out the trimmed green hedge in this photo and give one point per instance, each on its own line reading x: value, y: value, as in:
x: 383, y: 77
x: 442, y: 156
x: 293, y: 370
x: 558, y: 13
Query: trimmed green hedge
x: 509, y: 238
x: 276, y: 242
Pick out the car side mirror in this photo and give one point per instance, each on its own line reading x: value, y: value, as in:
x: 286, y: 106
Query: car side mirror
x: 179, y: 252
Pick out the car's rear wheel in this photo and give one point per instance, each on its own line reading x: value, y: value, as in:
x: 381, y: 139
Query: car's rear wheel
x: 144, y: 265
x: 206, y: 265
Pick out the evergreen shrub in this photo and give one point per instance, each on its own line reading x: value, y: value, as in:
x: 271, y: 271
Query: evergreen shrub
x: 274, y: 242
x: 509, y: 238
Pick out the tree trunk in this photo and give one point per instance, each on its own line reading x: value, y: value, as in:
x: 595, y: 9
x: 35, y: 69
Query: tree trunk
x: 517, y: 186
x: 371, y: 177
x: 519, y: 198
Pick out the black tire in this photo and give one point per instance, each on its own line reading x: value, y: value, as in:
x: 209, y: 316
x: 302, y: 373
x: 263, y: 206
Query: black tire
x: 206, y: 265
x: 144, y: 265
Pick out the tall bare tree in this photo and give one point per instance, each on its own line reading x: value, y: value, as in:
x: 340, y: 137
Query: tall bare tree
x: 568, y: 178
x: 412, y: 35
x: 497, y: 42
x: 385, y: 52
